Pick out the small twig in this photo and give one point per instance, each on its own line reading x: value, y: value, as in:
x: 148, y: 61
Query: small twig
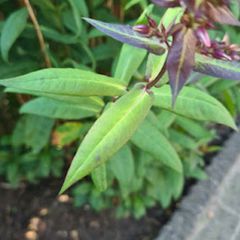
x: 158, y: 77
x: 39, y: 33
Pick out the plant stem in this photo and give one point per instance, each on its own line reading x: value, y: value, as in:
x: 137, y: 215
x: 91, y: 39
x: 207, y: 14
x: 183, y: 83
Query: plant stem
x: 157, y: 78
x: 38, y: 32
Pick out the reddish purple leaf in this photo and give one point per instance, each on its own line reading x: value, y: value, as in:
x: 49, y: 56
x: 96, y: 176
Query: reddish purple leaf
x: 126, y: 34
x: 217, y: 68
x: 167, y: 3
x: 180, y: 60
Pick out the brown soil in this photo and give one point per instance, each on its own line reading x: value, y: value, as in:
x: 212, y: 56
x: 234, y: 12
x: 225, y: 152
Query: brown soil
x: 36, y: 212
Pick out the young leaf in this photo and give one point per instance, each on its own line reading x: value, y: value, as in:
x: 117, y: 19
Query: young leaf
x: 71, y: 82
x: 12, y: 28
x: 157, y: 145
x: 194, y: 104
x: 217, y: 68
x: 109, y: 133
x: 126, y: 34
x: 61, y: 109
x: 180, y: 59
x: 99, y: 177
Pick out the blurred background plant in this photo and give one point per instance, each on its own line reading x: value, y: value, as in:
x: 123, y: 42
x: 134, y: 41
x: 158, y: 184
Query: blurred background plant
x: 33, y: 147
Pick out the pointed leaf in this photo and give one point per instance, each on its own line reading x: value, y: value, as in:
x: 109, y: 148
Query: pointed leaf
x: 109, y: 133
x: 126, y: 34
x: 180, y: 59
x: 151, y: 140
x: 99, y: 177
x: 217, y: 68
x: 194, y: 104
x: 12, y: 28
x: 61, y: 109
x: 73, y: 82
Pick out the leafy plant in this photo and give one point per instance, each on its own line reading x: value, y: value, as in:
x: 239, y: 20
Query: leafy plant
x: 146, y: 137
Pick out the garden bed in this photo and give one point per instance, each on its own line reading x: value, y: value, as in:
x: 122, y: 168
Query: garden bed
x: 37, y: 211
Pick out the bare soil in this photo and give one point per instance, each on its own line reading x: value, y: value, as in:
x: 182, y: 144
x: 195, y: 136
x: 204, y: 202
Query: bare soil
x: 36, y: 212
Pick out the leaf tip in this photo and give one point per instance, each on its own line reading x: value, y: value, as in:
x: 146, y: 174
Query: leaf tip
x: 63, y: 188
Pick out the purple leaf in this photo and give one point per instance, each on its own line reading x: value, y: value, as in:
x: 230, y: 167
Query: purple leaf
x: 126, y: 34
x: 180, y: 60
x: 217, y: 68
x: 167, y: 3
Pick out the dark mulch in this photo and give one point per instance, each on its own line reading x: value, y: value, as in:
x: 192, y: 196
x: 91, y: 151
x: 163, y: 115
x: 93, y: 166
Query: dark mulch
x: 37, y: 209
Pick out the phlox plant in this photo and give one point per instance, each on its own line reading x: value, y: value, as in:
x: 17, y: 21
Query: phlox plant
x: 177, y: 48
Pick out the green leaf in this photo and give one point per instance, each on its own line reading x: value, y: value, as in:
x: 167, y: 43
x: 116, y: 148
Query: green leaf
x: 147, y: 12
x: 76, y: 14
x: 195, y: 104
x: 176, y: 181
x: 109, y: 133
x: 154, y: 65
x: 139, y: 209
x: 70, y: 82
x: 165, y: 120
x: 172, y: 15
x: 12, y: 28
x: 122, y: 167
x: 99, y: 177
x: 32, y: 131
x: 96, y: 101
x: 182, y: 140
x: 16, y: 68
x: 194, y: 128
x: 169, y: 185
x: 61, y: 109
x: 158, y: 187
x: 151, y: 140
x: 129, y: 61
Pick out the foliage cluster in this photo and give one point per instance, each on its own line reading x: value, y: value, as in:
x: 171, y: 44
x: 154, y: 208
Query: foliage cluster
x: 151, y: 146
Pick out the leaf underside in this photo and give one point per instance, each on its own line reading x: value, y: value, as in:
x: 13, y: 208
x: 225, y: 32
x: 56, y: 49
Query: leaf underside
x: 125, y: 34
